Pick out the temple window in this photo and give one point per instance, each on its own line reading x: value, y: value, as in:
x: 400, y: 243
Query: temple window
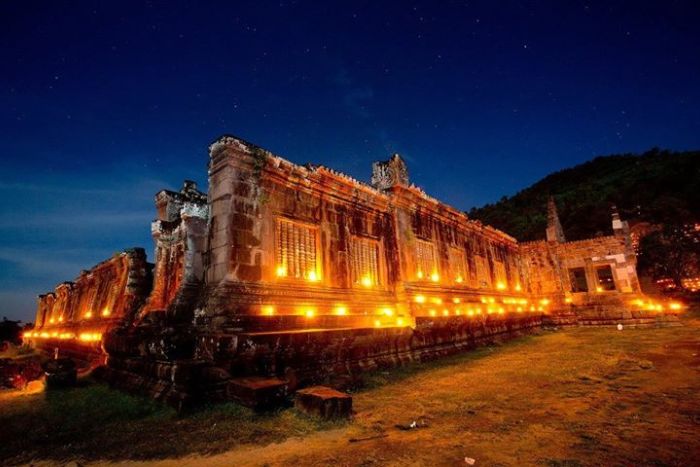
x: 296, y: 255
x: 605, y: 278
x: 458, y: 265
x: 577, y: 276
x: 365, y: 257
x: 426, y: 261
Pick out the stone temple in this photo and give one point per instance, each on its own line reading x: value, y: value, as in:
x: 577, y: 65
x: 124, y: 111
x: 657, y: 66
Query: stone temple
x: 283, y: 276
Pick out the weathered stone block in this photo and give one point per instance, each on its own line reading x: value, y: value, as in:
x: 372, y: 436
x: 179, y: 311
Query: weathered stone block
x: 324, y: 402
x: 257, y: 392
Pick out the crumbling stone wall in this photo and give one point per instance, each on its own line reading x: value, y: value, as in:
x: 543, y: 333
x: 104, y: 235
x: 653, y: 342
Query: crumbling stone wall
x: 74, y: 317
x: 179, y: 234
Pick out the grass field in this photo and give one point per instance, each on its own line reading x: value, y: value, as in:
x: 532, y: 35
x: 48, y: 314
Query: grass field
x: 582, y: 396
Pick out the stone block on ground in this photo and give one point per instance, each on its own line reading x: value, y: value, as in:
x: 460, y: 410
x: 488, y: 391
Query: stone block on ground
x: 324, y: 402
x: 257, y: 392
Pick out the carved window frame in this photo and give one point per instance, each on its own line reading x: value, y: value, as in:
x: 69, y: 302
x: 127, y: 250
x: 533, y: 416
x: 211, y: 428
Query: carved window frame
x: 299, y: 242
x: 458, y: 266
x: 366, y: 260
x: 426, y: 262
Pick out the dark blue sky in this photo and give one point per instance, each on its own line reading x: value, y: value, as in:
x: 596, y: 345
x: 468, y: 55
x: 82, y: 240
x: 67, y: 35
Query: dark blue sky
x: 104, y: 103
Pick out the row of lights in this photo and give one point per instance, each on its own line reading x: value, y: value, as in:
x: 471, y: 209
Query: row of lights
x: 310, y: 311
x: 83, y: 336
x: 651, y: 305
x: 88, y: 314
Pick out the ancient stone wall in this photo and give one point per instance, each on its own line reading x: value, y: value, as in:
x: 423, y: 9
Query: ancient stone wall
x: 78, y: 313
x: 287, y: 241
x: 179, y: 234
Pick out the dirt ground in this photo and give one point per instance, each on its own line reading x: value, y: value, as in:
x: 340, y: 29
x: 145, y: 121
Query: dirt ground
x: 583, y: 396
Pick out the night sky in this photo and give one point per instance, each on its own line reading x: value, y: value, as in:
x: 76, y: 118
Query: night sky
x: 102, y: 104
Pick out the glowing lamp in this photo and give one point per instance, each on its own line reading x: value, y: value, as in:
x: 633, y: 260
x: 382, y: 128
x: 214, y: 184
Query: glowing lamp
x: 340, y: 310
x: 456, y: 300
x: 446, y: 312
x: 268, y: 310
x: 51, y: 320
x: 419, y: 274
x: 313, y: 277
x: 387, y: 311
x: 500, y: 286
x: 88, y: 315
x: 459, y: 279
x: 400, y: 322
x: 599, y: 289
x: 366, y: 281
x: 675, y: 306
x: 377, y: 323
x: 419, y: 299
x: 281, y: 271
x: 60, y: 319
x: 433, y: 313
x: 518, y: 288
x: 435, y: 277
x: 309, y: 312
x: 105, y: 312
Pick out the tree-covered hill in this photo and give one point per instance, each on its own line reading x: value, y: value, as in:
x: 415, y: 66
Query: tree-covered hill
x: 660, y: 187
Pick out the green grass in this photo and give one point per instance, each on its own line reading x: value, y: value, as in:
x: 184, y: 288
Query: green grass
x: 94, y: 421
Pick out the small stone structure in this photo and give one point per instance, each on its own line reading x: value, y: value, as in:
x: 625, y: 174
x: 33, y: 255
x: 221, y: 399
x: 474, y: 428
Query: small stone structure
x: 324, y: 402
x: 286, y: 276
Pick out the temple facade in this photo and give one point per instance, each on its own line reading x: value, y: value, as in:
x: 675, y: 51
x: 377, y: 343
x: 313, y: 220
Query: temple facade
x: 300, y: 274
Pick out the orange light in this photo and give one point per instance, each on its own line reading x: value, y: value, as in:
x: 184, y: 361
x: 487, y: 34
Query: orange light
x: 459, y: 279
x: 105, y: 312
x: 60, y: 319
x: 518, y: 288
x: 435, y: 277
x: 598, y: 289
x: 436, y: 300
x: 313, y: 277
x: 340, y: 310
x: 88, y: 315
x: 387, y: 311
x: 675, y: 306
x: 400, y: 322
x: 500, y: 286
x: 419, y: 299
x: 446, y: 312
x: 51, y: 320
x: 456, y: 300
x: 281, y: 271
x: 377, y: 323
x: 433, y: 313
x: 309, y: 312
x: 419, y: 274
x: 568, y: 300
x: 268, y: 310
x: 366, y: 281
